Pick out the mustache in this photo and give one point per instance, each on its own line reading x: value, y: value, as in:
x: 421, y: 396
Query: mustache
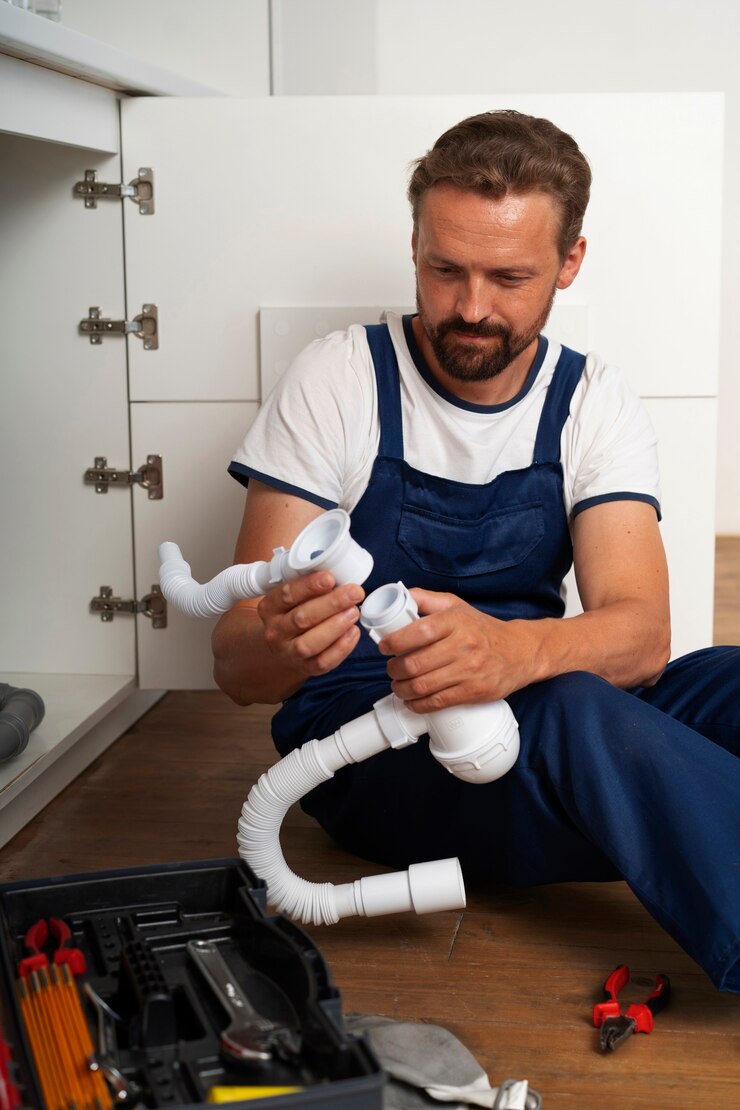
x: 482, y: 329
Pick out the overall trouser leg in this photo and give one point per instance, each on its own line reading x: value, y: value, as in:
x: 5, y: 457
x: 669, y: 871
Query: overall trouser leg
x: 702, y: 690
x: 606, y: 786
x: 659, y: 799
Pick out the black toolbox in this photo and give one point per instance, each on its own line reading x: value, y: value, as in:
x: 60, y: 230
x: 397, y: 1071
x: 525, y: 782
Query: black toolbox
x: 133, y: 928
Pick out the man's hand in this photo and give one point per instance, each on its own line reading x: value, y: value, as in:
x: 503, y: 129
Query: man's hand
x: 456, y: 655
x: 265, y: 650
x: 311, y: 625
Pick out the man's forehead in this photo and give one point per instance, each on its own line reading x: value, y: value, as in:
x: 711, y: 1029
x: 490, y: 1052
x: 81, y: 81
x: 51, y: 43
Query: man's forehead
x: 449, y: 212
x: 446, y: 197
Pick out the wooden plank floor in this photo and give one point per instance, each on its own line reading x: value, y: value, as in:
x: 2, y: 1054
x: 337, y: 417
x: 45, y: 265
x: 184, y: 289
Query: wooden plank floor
x: 514, y: 976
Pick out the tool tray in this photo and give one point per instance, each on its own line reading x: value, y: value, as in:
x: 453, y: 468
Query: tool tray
x: 133, y: 927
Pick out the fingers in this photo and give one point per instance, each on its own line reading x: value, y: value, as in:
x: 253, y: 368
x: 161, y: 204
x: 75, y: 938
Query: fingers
x: 288, y: 595
x: 418, y: 634
x: 310, y: 623
x: 430, y: 601
x: 435, y: 677
x: 434, y: 690
x: 335, y: 654
x: 446, y: 658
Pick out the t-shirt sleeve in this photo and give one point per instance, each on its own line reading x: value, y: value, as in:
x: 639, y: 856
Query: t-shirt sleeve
x: 609, y: 447
x: 309, y: 435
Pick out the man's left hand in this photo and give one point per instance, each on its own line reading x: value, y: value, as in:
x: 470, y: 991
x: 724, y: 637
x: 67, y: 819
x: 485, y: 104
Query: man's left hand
x: 456, y: 655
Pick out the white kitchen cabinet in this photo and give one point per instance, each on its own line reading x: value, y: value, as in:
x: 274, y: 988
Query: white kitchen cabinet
x: 294, y: 205
x: 64, y: 402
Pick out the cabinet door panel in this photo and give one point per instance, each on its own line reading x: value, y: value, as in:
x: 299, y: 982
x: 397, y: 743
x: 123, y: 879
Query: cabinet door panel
x: 64, y: 402
x: 301, y: 201
x: 201, y: 511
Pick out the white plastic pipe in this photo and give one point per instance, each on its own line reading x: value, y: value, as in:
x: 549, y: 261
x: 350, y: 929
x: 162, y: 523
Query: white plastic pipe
x: 477, y: 743
x: 324, y: 544
x: 425, y: 887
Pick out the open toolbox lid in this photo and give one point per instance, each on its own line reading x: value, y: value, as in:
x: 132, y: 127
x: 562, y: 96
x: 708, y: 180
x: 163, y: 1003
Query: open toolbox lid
x: 133, y: 928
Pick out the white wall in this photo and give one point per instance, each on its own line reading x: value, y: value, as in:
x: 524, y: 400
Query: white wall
x: 468, y: 46
x: 324, y: 47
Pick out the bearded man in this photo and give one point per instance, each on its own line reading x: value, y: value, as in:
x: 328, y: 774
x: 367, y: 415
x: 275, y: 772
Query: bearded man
x: 478, y: 461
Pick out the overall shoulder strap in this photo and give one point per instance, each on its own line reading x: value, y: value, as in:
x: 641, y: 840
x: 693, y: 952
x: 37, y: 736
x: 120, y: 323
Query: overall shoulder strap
x: 389, y: 390
x: 565, y: 378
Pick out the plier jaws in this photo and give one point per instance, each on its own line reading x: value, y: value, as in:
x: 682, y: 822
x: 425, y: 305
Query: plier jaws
x: 60, y: 934
x: 616, y: 1027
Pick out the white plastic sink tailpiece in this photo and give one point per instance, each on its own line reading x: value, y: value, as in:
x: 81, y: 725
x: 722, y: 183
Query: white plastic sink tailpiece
x: 477, y: 743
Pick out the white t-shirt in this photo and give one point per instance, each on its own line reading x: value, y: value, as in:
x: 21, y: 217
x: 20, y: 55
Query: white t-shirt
x: 317, y: 433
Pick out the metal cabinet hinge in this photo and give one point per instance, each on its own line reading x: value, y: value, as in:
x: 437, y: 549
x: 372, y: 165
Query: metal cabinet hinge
x: 153, y: 606
x: 149, y: 476
x: 145, y: 326
x: 140, y: 190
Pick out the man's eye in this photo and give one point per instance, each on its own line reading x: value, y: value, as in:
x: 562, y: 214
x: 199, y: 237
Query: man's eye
x: 443, y: 269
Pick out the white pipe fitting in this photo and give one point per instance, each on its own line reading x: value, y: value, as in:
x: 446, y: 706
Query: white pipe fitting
x: 477, y: 743
x: 425, y: 887
x: 324, y: 544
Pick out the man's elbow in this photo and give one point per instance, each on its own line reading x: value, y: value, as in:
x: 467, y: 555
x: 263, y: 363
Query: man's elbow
x: 658, y: 655
x: 225, y: 682
x: 226, y: 674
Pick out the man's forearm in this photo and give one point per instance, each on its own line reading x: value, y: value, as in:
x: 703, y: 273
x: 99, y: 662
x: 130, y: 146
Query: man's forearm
x: 626, y: 642
x: 457, y: 655
x: 243, y: 666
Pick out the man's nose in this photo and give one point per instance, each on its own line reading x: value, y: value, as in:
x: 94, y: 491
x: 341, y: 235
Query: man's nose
x: 473, y: 301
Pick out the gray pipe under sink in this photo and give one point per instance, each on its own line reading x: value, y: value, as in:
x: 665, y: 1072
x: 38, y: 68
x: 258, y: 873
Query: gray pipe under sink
x: 20, y: 712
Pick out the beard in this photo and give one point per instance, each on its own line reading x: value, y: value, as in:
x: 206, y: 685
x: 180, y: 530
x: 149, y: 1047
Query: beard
x: 465, y: 365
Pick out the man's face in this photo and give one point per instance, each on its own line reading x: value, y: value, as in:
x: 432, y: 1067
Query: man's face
x: 486, y: 275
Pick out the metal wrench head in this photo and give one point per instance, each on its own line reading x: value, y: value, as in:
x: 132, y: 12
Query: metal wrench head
x: 260, y: 1044
x: 249, y: 1036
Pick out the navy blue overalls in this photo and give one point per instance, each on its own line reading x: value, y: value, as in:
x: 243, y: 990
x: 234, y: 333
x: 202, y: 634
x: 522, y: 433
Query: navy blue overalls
x: 641, y: 785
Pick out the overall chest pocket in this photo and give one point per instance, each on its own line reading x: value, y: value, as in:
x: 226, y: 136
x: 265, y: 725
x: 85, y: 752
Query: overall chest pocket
x: 455, y: 547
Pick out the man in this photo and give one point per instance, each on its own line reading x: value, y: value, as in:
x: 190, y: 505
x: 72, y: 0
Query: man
x: 477, y: 461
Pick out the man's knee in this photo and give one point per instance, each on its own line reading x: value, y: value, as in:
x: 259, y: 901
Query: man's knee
x: 564, y: 695
x: 575, y: 713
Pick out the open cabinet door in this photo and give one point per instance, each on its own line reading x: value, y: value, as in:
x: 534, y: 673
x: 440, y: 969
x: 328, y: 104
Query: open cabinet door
x: 299, y: 203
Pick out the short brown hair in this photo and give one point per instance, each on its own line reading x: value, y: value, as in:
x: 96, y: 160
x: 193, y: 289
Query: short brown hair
x: 495, y: 153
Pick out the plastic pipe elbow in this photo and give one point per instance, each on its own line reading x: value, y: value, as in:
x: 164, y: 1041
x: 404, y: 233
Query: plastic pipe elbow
x: 324, y: 544
x: 210, y: 598
x: 477, y: 743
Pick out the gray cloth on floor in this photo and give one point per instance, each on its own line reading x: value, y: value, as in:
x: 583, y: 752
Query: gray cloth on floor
x: 426, y: 1064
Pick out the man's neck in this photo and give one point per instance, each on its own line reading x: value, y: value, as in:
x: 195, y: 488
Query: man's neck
x: 493, y: 391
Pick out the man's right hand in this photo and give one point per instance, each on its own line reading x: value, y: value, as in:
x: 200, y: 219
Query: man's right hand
x: 265, y: 650
x: 310, y: 624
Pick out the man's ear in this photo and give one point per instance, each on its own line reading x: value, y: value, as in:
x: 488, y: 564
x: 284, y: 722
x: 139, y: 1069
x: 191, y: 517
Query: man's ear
x: 572, y: 264
x: 414, y: 243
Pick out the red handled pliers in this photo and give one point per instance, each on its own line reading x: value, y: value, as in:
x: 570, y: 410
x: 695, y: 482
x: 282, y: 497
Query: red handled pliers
x: 614, y: 1026
x: 64, y: 953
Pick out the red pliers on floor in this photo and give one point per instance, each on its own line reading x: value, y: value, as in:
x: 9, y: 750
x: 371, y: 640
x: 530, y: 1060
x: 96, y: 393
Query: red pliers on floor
x: 614, y: 1026
x: 64, y: 953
